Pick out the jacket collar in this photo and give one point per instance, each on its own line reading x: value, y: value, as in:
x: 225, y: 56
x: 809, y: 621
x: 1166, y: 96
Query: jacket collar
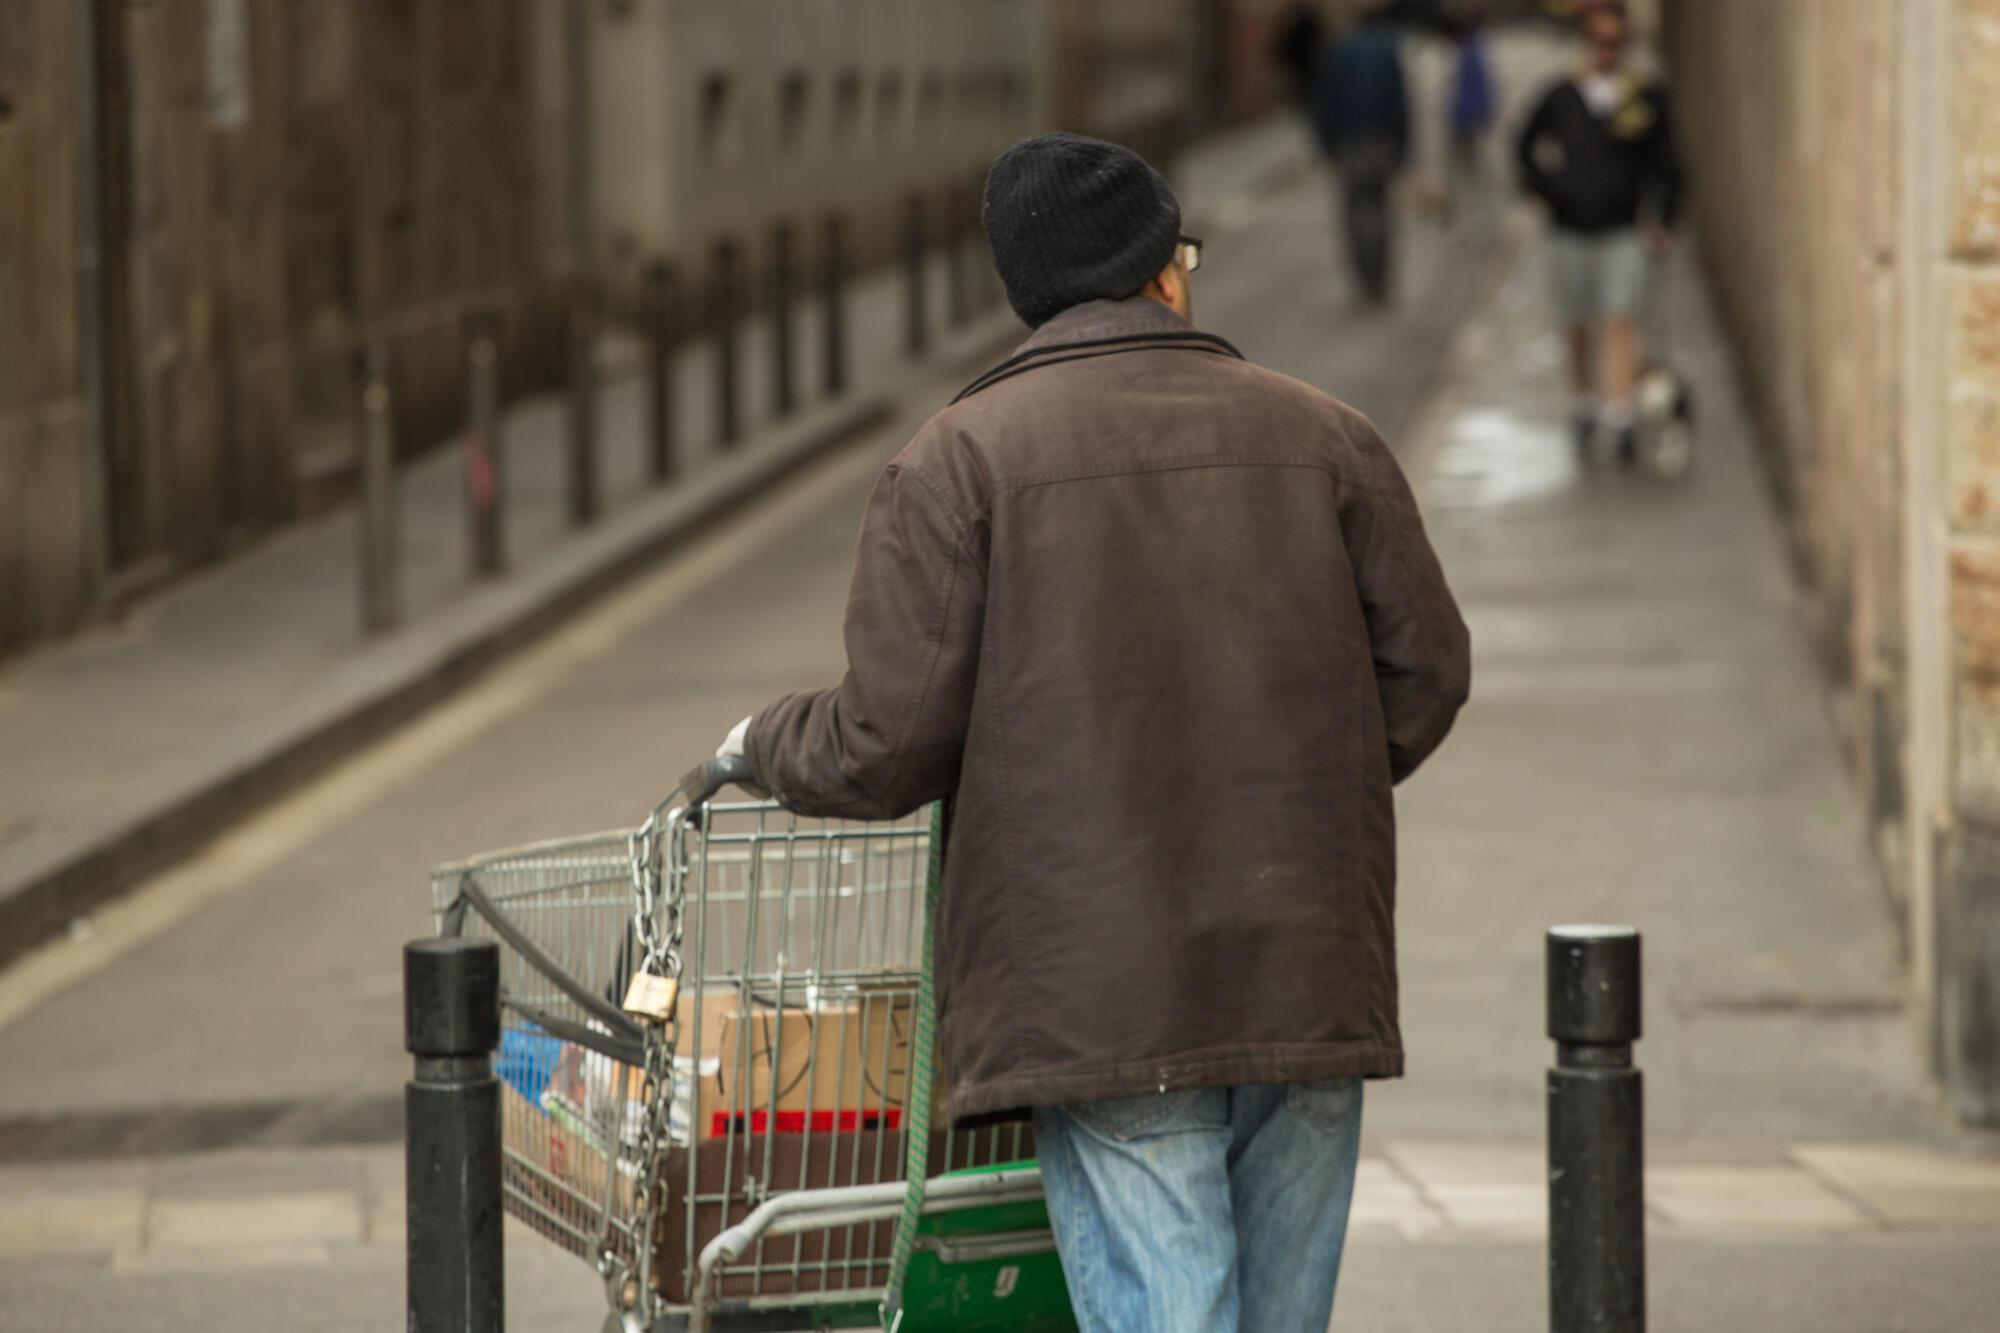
x: 1102, y: 328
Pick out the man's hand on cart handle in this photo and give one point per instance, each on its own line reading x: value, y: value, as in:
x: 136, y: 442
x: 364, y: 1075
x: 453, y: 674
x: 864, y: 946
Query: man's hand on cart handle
x: 731, y: 766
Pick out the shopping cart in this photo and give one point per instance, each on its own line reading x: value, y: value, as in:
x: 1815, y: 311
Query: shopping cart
x: 715, y: 1068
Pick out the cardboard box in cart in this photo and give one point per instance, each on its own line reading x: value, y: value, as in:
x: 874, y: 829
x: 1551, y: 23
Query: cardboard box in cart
x: 802, y: 1067
x: 832, y: 1072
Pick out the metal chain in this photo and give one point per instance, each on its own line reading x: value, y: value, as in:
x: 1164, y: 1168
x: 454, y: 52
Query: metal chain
x: 660, y: 956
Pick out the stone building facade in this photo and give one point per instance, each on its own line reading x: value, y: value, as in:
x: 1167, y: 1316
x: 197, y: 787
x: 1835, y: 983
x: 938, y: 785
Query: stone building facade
x: 208, y: 206
x: 1845, y: 167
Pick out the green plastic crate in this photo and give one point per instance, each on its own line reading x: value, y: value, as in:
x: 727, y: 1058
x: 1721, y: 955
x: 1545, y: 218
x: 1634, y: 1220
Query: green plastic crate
x: 987, y: 1270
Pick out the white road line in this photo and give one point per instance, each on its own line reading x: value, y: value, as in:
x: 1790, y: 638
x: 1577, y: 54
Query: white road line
x: 239, y: 856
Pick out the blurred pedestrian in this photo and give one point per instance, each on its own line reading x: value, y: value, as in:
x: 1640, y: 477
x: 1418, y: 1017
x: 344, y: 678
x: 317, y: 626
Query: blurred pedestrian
x: 1165, y: 629
x: 1598, y: 150
x: 1297, y: 46
x: 1471, y: 107
x: 1361, y: 110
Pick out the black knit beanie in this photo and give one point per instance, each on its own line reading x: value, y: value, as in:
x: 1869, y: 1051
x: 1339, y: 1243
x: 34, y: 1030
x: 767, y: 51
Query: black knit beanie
x: 1074, y: 219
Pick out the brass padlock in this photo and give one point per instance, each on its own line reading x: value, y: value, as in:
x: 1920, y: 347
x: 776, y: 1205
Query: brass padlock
x: 652, y: 997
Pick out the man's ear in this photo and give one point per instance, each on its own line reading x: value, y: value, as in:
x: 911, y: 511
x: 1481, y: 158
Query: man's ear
x: 1168, y: 286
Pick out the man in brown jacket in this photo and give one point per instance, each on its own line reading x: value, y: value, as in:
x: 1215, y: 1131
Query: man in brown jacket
x: 1165, y: 629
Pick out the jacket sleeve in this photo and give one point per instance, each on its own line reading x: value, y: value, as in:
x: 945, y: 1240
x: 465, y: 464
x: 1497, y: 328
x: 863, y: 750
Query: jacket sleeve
x: 888, y: 738
x: 1533, y: 179
x: 1423, y: 653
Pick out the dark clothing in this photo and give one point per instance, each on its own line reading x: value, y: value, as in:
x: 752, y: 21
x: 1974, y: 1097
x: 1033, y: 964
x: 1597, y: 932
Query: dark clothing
x: 1602, y: 173
x: 1296, y: 48
x: 1367, y: 170
x: 1165, y: 626
x: 1471, y: 108
x: 1359, y: 92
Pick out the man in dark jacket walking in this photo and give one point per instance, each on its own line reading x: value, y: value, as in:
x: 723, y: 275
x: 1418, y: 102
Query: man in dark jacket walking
x: 1165, y: 628
x: 1598, y: 150
x: 1361, y: 111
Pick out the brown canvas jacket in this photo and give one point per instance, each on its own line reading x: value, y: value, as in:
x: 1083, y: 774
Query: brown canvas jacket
x: 1166, y: 628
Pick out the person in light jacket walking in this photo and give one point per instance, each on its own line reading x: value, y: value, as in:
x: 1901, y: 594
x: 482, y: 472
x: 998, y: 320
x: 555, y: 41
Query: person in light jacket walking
x: 1164, y: 629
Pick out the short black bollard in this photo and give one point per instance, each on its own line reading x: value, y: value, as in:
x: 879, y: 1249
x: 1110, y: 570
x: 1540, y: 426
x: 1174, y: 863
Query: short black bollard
x: 722, y: 327
x: 451, y: 1024
x: 660, y: 334
x: 485, y: 472
x: 957, y: 297
x: 784, y: 393
x: 1597, y: 1191
x: 916, y: 290
x: 582, y: 403
x: 375, y: 517
x: 832, y: 306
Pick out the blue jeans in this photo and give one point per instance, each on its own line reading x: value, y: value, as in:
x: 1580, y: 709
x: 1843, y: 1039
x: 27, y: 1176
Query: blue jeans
x: 1203, y: 1211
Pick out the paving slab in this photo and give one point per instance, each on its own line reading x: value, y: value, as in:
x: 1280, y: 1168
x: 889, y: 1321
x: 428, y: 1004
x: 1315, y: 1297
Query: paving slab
x: 1386, y: 1199
x: 1749, y: 1199
x: 1908, y: 1187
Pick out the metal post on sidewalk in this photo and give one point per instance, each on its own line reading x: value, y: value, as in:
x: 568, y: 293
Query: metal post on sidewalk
x: 582, y: 402
x: 661, y: 321
x: 833, y: 309
x: 916, y: 311
x: 784, y: 392
x: 722, y: 328
x: 1597, y: 1193
x: 375, y: 515
x: 451, y: 1024
x: 485, y: 471
x: 958, y: 231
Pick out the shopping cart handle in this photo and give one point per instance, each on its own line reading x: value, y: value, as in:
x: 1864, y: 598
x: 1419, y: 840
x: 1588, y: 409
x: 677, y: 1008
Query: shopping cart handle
x: 705, y: 780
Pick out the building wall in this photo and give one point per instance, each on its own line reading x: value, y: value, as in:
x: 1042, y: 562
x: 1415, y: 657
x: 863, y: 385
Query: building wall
x: 1845, y: 164
x: 721, y: 120
x: 42, y: 486
x: 280, y: 182
x: 275, y: 183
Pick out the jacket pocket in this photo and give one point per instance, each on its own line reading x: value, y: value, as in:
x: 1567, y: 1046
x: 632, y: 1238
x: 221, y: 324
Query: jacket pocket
x: 1123, y: 1119
x: 1328, y: 1104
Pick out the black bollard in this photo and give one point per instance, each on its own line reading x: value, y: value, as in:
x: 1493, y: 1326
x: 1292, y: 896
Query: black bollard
x: 916, y: 291
x: 784, y: 394
x: 660, y: 332
x: 375, y: 522
x: 833, y: 310
x: 958, y: 234
x: 581, y: 395
x: 451, y: 1024
x: 722, y: 327
x: 485, y: 473
x: 1597, y: 1193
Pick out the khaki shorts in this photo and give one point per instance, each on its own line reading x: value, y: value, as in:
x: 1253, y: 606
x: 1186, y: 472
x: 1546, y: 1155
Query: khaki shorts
x: 1592, y: 276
